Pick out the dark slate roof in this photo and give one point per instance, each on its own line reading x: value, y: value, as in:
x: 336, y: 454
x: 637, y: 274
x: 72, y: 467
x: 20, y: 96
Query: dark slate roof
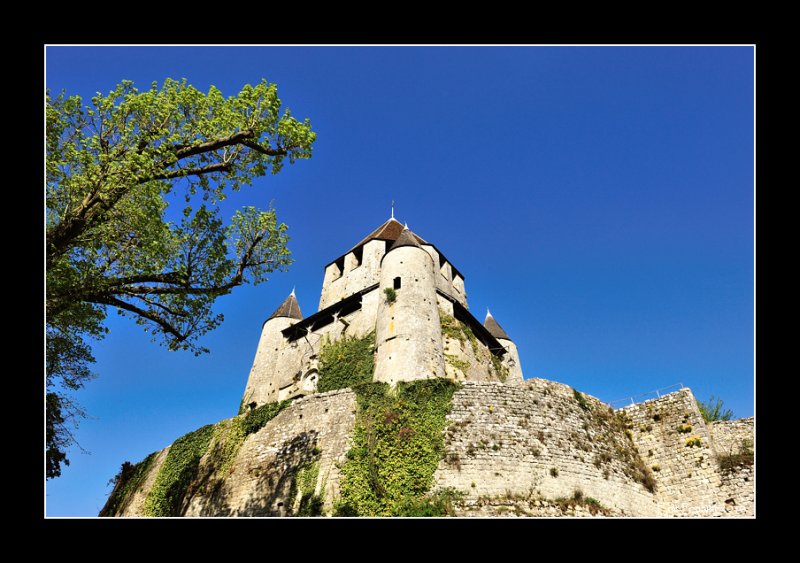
x: 494, y: 329
x: 390, y: 230
x: 406, y: 238
x: 289, y: 308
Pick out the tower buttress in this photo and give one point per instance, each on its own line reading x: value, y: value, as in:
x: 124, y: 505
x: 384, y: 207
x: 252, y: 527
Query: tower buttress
x: 408, y: 334
x: 261, y: 387
x: 511, y: 358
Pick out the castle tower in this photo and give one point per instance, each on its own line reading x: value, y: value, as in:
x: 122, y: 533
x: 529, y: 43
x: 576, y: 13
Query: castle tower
x: 260, y: 387
x: 511, y: 357
x: 408, y: 334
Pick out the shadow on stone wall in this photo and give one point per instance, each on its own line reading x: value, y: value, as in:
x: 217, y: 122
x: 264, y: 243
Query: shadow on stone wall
x: 269, y: 484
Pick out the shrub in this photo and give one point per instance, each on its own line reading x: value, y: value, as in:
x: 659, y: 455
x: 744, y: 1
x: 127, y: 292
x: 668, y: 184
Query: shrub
x: 713, y: 411
x: 694, y: 441
x: 391, y: 295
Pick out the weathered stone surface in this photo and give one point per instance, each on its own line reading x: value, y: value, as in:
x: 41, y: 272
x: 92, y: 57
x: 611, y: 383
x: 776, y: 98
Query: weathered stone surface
x: 511, y: 450
x: 673, y: 437
x: 506, y: 441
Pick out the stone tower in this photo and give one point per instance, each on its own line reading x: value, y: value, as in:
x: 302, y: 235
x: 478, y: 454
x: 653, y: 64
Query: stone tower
x: 426, y: 332
x: 408, y: 334
x: 261, y: 382
x: 511, y: 358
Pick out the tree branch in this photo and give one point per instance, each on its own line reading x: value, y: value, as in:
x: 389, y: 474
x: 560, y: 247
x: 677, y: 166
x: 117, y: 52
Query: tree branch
x: 125, y: 306
x: 281, y: 151
x: 181, y: 172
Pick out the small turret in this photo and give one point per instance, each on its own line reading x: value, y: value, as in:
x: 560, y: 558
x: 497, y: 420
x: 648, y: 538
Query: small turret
x: 408, y: 334
x: 261, y: 387
x: 511, y: 358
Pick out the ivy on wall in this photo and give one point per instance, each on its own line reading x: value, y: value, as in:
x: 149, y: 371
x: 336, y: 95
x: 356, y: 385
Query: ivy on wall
x: 455, y: 329
x: 126, y: 482
x: 398, y: 442
x: 304, y: 486
x: 222, y: 442
x: 178, y: 470
x: 346, y: 362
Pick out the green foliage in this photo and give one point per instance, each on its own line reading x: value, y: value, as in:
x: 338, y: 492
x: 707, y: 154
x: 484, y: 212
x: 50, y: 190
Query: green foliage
x: 391, y: 295
x: 500, y: 369
x: 713, y: 411
x: 304, y: 485
x: 113, y: 166
x: 126, y: 482
x: 256, y: 419
x: 461, y: 365
x: 67, y: 370
x: 438, y: 503
x: 176, y: 473
x: 346, y: 362
x: 684, y: 428
x: 398, y: 442
x: 582, y: 403
x: 578, y: 499
x: 229, y: 435
x: 694, y: 442
x: 455, y: 329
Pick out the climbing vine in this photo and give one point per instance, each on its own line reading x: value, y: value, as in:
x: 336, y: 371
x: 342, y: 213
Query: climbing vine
x: 461, y: 365
x: 500, y: 369
x: 177, y: 472
x: 455, y: 329
x: 256, y: 419
x: 126, y: 482
x: 304, y: 485
x: 398, y: 442
x: 346, y: 362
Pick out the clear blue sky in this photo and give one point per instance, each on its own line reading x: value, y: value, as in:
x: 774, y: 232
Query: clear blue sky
x: 598, y: 200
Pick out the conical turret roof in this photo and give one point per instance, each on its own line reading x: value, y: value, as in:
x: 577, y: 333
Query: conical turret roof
x: 289, y: 308
x: 406, y: 238
x: 494, y: 329
x: 390, y: 230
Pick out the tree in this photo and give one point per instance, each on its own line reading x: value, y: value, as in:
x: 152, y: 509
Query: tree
x: 713, y: 411
x: 112, y: 169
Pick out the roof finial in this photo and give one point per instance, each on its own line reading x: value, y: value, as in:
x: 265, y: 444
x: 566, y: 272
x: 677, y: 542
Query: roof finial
x: 292, y: 293
x: 392, y: 209
x: 488, y: 312
x: 405, y: 225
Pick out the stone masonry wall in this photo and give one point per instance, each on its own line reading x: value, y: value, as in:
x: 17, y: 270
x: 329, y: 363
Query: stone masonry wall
x: 512, y: 450
x: 737, y: 489
x: 676, y: 443
x: 312, y: 429
x: 729, y: 435
x: 468, y: 360
x: 134, y: 504
x: 534, y: 441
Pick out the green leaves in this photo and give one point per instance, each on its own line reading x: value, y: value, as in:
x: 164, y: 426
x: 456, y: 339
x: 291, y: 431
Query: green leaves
x: 713, y: 410
x: 398, y: 442
x: 346, y: 362
x: 112, y: 167
x: 179, y: 468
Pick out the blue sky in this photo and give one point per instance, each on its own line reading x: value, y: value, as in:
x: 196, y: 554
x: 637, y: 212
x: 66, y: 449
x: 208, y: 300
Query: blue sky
x: 598, y: 200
